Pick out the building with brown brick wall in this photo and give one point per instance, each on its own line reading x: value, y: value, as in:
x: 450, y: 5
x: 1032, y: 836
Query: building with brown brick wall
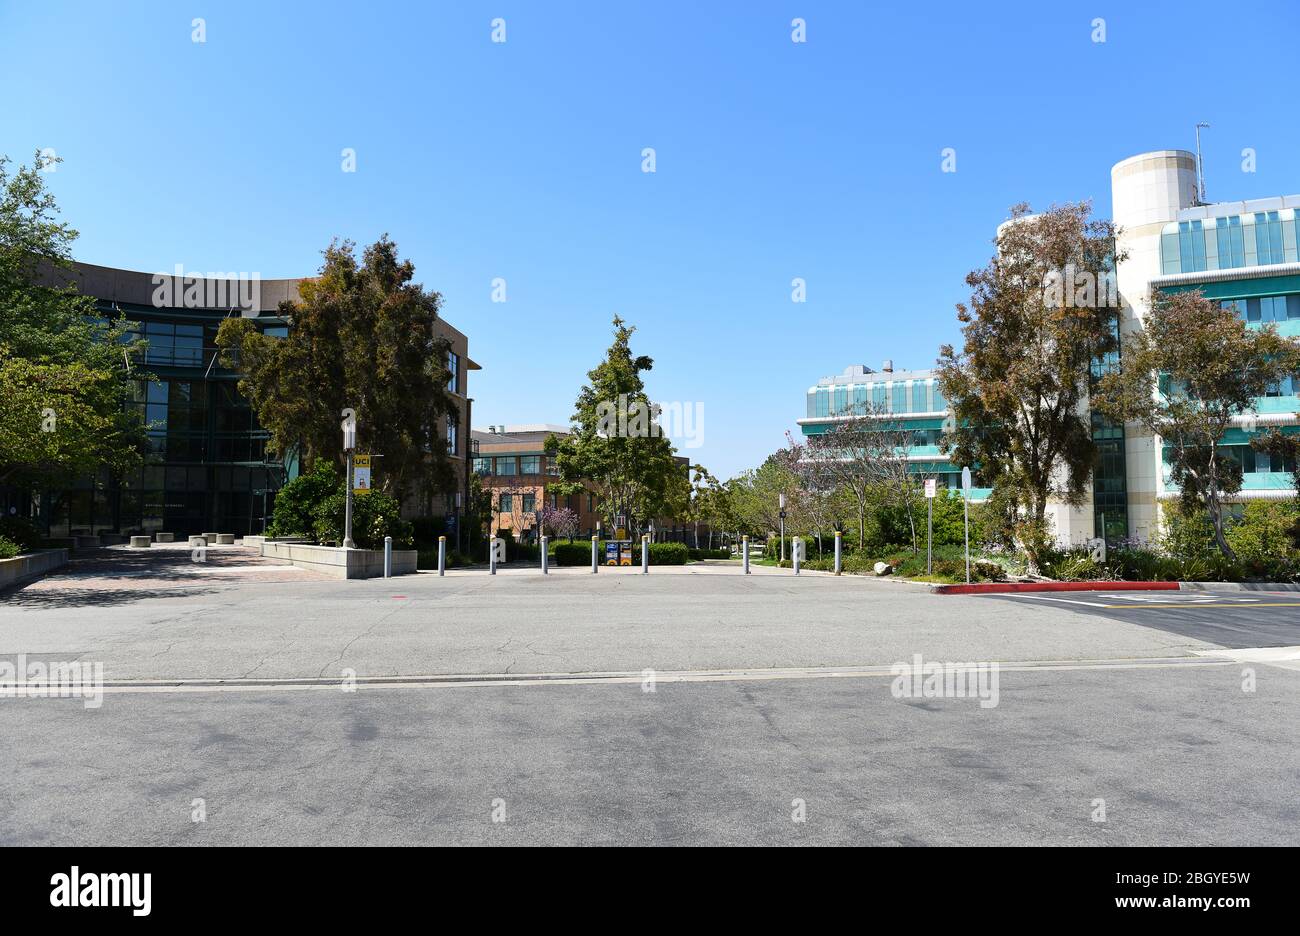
x: 512, y: 463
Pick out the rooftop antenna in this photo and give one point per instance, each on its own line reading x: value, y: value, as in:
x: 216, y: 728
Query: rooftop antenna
x: 1200, y: 164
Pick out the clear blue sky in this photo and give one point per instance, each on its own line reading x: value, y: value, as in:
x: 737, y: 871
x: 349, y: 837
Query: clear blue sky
x: 522, y: 160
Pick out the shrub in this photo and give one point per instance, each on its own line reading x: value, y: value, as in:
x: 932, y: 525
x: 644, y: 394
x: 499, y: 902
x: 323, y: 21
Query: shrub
x: 19, y: 531
x: 374, y: 516
x: 697, y: 554
x: 8, y: 548
x: 662, y: 554
x: 297, y: 502
x: 575, y: 554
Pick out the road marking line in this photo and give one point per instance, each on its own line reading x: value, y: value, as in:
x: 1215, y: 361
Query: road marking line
x: 451, y: 681
x: 1090, y: 604
x: 1182, y: 604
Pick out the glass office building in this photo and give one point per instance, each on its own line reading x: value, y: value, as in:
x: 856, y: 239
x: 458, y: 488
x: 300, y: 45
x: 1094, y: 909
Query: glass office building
x: 206, y: 469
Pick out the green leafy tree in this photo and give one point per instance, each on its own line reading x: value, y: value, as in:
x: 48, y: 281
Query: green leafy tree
x: 64, y: 373
x: 1040, y: 312
x: 296, y: 503
x: 1192, y: 369
x: 364, y: 337
x: 615, y: 450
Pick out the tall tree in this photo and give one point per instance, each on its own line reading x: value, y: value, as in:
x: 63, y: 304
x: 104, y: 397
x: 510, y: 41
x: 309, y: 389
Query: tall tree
x: 1192, y: 369
x: 616, y: 449
x: 65, y: 376
x: 1040, y: 312
x: 363, y: 337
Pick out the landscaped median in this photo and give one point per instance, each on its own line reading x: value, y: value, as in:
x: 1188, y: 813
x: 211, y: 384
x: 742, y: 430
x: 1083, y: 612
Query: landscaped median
x: 996, y: 588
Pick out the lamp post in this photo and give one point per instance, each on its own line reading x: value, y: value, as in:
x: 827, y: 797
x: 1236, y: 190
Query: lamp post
x: 780, y: 499
x: 349, y: 447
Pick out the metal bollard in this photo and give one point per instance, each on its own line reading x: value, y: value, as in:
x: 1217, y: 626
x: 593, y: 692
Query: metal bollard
x: 645, y: 554
x: 744, y: 552
x: 595, y: 544
x: 442, y: 555
x: 545, y: 570
x: 795, y: 557
x: 838, y: 541
x: 388, y: 557
x: 492, y: 559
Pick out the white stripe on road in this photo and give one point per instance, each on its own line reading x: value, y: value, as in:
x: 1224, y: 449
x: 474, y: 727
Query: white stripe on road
x: 448, y: 681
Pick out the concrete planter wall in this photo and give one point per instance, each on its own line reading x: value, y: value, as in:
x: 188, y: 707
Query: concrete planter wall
x: 32, y: 565
x: 341, y: 563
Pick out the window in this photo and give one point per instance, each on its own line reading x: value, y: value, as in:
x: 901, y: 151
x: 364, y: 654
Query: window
x: 899, y: 401
x: 919, y: 404
x: 507, y: 466
x: 452, y: 436
x: 507, y: 505
x: 552, y: 466
x: 483, y: 466
x: 530, y: 465
x: 453, y: 365
x: 528, y: 503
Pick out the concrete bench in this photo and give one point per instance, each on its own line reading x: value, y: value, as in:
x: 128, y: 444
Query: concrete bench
x: 165, y: 537
x: 211, y: 538
x: 141, y: 542
x: 225, y: 539
x: 198, y: 541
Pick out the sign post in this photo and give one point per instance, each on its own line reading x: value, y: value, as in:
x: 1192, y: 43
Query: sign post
x: 931, y: 488
x: 965, y: 497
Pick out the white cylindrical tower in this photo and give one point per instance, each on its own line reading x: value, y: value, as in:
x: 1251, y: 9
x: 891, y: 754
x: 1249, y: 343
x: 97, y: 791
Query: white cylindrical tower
x: 1147, y: 192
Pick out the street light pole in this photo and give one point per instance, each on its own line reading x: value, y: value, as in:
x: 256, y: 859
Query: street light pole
x: 781, y: 502
x: 349, y: 446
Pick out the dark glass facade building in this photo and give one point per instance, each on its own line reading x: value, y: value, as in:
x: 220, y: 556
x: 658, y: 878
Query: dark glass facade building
x: 207, y: 468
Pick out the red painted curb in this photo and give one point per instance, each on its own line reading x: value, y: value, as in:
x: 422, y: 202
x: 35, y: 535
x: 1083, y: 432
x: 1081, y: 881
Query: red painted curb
x: 995, y: 588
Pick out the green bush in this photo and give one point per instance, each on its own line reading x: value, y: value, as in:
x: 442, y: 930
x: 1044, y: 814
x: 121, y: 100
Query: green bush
x: 428, y: 559
x: 374, y: 516
x: 575, y: 554
x: 696, y: 554
x: 20, y: 531
x: 662, y: 554
x: 297, y: 502
x: 8, y: 548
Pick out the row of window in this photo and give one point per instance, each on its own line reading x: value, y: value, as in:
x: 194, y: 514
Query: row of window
x: 1266, y: 308
x: 1226, y: 243
x: 528, y: 503
x: 509, y: 466
x: 901, y: 397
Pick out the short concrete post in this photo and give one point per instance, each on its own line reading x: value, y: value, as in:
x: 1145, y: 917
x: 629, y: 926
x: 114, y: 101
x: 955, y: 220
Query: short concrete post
x: 744, y: 553
x: 595, y: 545
x: 839, y: 539
x: 442, y: 555
x: 645, y: 554
x: 796, y: 553
x: 492, y: 557
x: 388, y: 557
x: 545, y: 570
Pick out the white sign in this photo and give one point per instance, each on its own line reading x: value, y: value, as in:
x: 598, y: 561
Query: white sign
x: 931, y: 487
x: 360, y: 479
x: 965, y: 481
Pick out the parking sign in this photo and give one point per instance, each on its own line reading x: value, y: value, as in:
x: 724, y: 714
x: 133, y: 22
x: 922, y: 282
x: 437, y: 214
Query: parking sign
x: 931, y: 487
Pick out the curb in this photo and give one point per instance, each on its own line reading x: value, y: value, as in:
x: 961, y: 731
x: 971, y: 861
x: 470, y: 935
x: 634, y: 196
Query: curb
x: 998, y: 588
